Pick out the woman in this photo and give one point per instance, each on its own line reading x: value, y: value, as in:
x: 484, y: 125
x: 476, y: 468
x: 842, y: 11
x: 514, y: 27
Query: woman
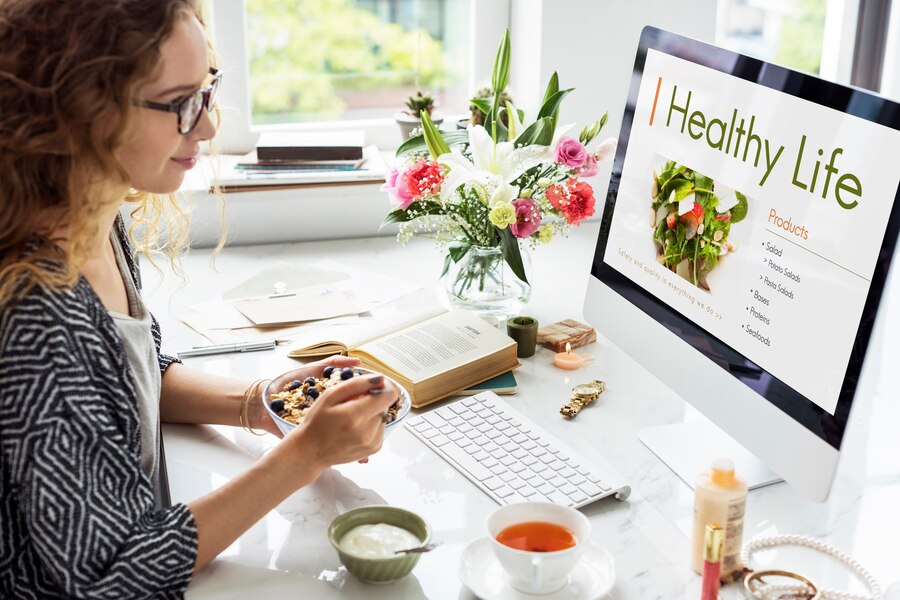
x: 103, y: 101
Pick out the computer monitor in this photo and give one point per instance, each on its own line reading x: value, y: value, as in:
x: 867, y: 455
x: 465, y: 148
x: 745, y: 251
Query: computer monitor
x: 748, y: 230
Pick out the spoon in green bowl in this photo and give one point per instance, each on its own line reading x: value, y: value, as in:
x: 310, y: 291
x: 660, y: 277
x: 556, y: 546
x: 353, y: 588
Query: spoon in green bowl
x: 419, y: 549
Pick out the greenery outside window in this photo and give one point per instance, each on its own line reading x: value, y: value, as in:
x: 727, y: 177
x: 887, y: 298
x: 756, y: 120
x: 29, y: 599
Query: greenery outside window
x: 331, y: 60
x: 786, y: 32
x: 347, y: 64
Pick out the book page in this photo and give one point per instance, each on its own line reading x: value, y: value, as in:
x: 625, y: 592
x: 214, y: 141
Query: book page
x: 382, y: 320
x: 437, y: 345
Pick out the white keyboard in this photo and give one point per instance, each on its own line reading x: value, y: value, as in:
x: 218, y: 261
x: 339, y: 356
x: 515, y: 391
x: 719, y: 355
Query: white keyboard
x: 511, y: 458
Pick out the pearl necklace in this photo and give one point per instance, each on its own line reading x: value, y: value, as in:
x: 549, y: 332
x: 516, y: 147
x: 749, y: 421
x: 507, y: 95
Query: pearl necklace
x: 874, y: 590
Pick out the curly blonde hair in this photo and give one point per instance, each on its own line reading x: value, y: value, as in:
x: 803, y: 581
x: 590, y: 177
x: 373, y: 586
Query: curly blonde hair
x: 69, y: 72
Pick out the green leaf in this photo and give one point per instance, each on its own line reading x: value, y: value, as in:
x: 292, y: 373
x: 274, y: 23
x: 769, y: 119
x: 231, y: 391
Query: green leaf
x: 457, y: 250
x: 540, y: 132
x: 395, y: 216
x: 552, y: 87
x: 499, y: 79
x: 452, y: 138
x: 481, y: 104
x: 739, y: 210
x: 433, y: 140
x: 509, y: 245
x: 681, y: 186
x: 703, y: 182
x: 550, y: 108
x: 500, y: 75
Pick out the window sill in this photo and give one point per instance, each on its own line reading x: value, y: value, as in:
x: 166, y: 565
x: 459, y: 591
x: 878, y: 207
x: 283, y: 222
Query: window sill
x: 274, y: 212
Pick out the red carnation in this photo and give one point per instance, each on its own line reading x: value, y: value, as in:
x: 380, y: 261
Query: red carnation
x: 424, y: 178
x: 575, y: 201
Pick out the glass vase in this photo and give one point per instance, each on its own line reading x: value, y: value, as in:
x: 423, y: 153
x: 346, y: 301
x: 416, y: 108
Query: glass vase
x: 482, y: 282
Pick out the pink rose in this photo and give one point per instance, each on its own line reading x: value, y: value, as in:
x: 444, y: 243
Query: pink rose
x: 589, y: 168
x: 528, y: 218
x: 606, y: 149
x: 400, y: 195
x: 570, y: 152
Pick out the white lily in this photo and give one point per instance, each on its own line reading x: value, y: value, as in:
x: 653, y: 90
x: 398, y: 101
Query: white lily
x: 493, y: 166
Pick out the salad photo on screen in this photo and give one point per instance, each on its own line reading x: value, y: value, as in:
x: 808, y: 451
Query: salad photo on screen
x: 691, y: 221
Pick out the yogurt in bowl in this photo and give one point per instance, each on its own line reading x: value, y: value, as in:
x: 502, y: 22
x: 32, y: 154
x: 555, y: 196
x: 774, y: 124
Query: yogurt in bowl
x: 353, y: 542
x: 377, y: 540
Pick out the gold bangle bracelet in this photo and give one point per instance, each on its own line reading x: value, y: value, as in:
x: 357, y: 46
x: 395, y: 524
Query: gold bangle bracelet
x: 243, y: 417
x: 756, y: 587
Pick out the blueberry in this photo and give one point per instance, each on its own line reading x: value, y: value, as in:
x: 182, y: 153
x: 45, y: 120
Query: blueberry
x: 312, y: 393
x: 277, y: 405
x: 347, y: 374
x: 295, y: 384
x: 310, y: 380
x: 327, y: 371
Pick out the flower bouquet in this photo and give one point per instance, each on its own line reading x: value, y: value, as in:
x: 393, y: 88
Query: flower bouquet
x: 482, y: 190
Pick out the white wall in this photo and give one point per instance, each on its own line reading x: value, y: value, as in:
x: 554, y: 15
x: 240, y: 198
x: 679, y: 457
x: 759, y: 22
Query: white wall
x: 592, y: 44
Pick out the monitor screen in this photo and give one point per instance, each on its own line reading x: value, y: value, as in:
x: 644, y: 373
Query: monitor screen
x: 752, y: 211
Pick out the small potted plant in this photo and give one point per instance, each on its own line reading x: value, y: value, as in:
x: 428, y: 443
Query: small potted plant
x: 484, y: 96
x: 409, y: 119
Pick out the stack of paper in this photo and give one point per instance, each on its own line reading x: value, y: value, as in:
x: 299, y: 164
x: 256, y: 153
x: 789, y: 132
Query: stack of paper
x: 287, y: 300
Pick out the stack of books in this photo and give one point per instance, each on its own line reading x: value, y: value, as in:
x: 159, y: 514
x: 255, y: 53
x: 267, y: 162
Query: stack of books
x: 290, y: 159
x: 296, y: 153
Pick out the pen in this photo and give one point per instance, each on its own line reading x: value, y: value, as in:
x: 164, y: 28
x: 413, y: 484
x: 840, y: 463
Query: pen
x: 227, y: 348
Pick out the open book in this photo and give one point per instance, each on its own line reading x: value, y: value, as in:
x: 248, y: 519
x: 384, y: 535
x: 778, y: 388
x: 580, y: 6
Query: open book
x: 432, y: 358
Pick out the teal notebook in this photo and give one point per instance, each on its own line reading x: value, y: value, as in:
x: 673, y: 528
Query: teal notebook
x: 501, y: 384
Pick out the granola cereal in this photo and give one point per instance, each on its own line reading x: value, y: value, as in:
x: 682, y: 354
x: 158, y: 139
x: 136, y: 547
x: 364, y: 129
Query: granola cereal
x: 297, y: 397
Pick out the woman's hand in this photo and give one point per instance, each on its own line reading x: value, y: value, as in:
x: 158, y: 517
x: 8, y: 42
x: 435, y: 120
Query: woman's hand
x: 257, y: 415
x: 345, y: 424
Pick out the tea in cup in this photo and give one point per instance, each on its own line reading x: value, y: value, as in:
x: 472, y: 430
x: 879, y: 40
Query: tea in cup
x: 538, y: 544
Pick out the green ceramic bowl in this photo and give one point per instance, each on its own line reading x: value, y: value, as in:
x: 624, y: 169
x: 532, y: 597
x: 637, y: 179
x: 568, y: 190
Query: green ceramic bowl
x: 378, y: 570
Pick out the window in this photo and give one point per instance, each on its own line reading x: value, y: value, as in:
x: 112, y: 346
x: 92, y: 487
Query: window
x: 333, y: 64
x: 841, y: 40
x: 354, y: 59
x: 786, y: 32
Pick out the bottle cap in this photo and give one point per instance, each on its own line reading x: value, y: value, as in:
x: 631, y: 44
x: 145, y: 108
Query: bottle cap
x: 722, y: 472
x: 712, y: 543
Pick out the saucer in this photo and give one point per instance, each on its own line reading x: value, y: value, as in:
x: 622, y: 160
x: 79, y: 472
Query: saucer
x: 480, y: 571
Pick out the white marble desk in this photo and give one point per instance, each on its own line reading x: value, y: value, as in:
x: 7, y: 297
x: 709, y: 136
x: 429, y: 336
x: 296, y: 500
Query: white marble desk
x: 287, y: 553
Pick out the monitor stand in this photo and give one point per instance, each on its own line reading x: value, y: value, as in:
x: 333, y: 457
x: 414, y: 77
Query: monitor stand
x: 689, y: 448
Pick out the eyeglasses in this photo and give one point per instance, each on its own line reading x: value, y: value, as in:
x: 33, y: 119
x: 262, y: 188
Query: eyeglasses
x: 191, y: 106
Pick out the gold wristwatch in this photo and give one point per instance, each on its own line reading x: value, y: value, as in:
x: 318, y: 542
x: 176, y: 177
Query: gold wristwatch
x: 582, y: 395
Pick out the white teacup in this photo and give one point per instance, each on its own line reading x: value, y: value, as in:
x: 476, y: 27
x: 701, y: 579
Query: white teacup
x: 538, y: 572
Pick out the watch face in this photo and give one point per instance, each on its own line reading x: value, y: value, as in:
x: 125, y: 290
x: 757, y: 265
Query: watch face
x: 585, y: 389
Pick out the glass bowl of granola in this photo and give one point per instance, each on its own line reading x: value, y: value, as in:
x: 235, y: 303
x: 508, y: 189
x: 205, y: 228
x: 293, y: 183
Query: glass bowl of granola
x: 288, y: 399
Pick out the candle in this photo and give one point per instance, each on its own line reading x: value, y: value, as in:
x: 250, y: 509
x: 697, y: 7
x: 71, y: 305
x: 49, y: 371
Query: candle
x: 524, y: 331
x: 569, y: 360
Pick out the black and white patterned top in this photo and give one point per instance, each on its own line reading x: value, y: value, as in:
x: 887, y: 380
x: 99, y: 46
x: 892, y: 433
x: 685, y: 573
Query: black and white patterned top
x: 77, y: 516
